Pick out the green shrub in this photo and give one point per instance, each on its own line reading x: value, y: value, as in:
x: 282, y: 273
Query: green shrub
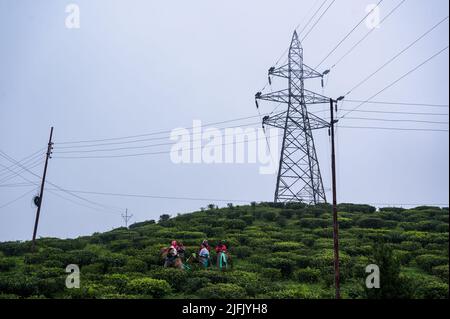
x: 242, y: 251
x: 287, y: 213
x: 6, y: 264
x: 355, y: 208
x: 222, y: 291
x: 119, y: 281
x: 80, y: 257
x: 296, y: 292
x: 370, y: 222
x: 288, y: 246
x: 307, y: 275
x: 441, y: 272
x: 91, y: 291
x: 135, y: 265
x: 149, y: 287
x: 269, y: 216
x: 175, y: 277
x: 271, y: 274
x: 235, y: 224
x: 281, y: 221
x: 286, y: 266
x: 427, y: 262
x: 19, y: 284
x: 195, y: 283
x: 313, y: 223
x: 432, y: 290
x: 251, y: 282
x: 345, y: 223
x: 96, y: 268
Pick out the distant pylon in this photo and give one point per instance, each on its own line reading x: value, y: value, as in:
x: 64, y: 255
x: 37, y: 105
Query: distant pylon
x: 299, y: 178
x: 126, y: 217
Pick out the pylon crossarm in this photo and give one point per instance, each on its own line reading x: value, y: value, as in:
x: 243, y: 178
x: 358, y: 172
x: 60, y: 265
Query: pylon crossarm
x: 315, y: 98
x: 316, y: 122
x: 277, y: 120
x: 282, y: 96
x: 283, y: 72
x: 278, y: 96
x: 310, y: 73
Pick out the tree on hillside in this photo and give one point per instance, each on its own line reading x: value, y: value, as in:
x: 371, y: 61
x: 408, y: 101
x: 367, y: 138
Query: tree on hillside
x: 392, y: 284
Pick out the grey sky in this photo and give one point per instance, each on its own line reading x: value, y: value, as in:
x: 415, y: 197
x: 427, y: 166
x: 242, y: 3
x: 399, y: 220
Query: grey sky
x: 136, y: 67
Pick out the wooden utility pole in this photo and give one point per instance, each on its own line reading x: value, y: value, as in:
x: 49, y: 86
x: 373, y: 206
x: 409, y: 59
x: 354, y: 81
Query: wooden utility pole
x: 38, y: 212
x: 335, y: 216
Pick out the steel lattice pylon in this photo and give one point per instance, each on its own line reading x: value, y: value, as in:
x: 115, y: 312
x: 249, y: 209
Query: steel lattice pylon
x: 299, y: 178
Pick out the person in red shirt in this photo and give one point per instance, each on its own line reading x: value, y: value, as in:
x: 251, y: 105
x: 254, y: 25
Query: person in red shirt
x: 221, y: 247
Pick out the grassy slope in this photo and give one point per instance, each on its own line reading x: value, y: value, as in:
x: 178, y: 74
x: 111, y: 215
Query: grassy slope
x: 278, y: 252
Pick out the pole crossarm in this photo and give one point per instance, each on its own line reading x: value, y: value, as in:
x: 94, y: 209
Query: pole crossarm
x: 283, y: 72
x: 279, y: 121
x: 283, y: 96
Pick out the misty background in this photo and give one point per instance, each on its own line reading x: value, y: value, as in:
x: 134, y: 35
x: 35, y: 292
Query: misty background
x: 137, y: 67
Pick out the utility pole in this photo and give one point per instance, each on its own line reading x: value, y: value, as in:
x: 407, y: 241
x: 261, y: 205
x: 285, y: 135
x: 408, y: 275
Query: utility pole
x: 41, y: 194
x: 126, y: 217
x: 335, y: 217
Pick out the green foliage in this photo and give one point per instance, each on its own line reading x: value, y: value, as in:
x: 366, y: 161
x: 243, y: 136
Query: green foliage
x: 307, y: 275
x: 278, y: 251
x: 432, y: 290
x: 392, y: 285
x: 175, y: 277
x: 222, y: 291
x: 427, y: 262
x: 370, y: 222
x: 6, y: 264
x: 269, y: 216
x: 441, y: 272
x: 296, y: 292
x: 314, y: 223
x: 149, y: 287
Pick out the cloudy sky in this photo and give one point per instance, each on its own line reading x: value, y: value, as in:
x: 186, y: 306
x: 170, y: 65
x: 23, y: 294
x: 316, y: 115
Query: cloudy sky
x: 136, y: 68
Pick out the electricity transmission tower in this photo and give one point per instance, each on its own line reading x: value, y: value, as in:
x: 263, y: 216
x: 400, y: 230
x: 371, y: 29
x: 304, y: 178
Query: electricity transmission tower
x: 299, y: 178
x: 126, y: 217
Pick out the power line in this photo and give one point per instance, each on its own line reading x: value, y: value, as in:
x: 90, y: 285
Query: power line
x: 348, y: 34
x: 9, y: 158
x: 399, y: 103
x: 17, y: 199
x: 24, y: 160
x: 394, y: 120
x: 398, y: 80
x: 396, y: 56
x: 367, y: 34
x: 29, y: 166
x: 320, y: 18
x: 303, y: 29
x: 393, y: 128
x: 160, y: 197
x: 153, y: 133
x: 143, y: 146
x: 147, y: 139
x: 310, y: 20
x: 390, y: 112
x: 158, y: 153
x: 16, y: 185
x: 77, y: 203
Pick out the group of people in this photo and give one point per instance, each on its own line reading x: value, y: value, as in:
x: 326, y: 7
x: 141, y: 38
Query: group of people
x: 177, y: 250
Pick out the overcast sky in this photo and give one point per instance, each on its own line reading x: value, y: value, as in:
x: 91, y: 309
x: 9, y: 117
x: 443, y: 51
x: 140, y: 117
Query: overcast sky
x: 137, y: 67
